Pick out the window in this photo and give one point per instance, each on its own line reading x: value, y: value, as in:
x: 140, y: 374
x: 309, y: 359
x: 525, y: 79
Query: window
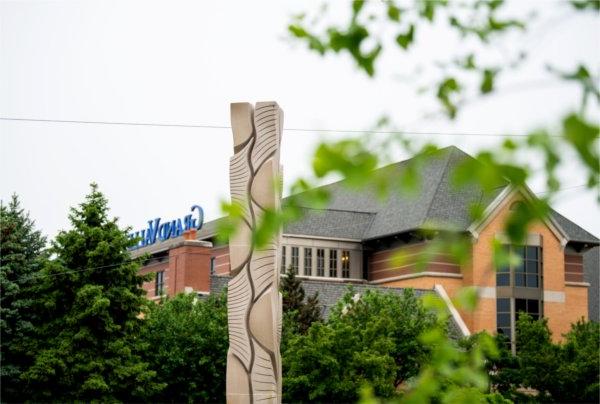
x: 212, y: 265
x: 503, y: 272
x: 320, y: 262
x: 283, y: 259
x: 159, y: 283
x: 503, y: 318
x: 527, y: 273
x: 308, y: 261
x: 529, y: 306
x: 333, y: 263
x: 295, y: 259
x: 345, y: 264
x: 506, y: 315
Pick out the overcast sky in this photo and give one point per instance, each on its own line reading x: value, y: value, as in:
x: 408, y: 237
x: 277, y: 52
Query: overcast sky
x: 184, y: 62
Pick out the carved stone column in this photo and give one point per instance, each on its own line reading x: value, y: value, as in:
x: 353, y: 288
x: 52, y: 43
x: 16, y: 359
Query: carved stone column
x: 254, y: 301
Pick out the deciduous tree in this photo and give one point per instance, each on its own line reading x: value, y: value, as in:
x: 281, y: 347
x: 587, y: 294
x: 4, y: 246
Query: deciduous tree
x: 370, y: 339
x: 187, y: 341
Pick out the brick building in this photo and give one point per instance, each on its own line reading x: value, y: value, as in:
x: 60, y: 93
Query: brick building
x: 355, y: 240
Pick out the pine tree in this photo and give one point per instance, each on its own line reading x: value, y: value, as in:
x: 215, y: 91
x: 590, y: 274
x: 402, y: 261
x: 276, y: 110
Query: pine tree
x: 298, y: 312
x: 292, y: 292
x: 21, y: 256
x: 309, y: 313
x: 91, y: 301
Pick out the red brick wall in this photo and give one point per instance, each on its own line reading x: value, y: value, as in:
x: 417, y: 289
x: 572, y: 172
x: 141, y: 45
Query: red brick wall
x: 573, y: 268
x: 153, y: 268
x: 221, y: 256
x: 401, y: 261
x: 560, y: 315
x: 187, y: 266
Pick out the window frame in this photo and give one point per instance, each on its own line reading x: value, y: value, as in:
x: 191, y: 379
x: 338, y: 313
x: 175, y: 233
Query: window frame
x: 345, y: 264
x: 307, y: 270
x: 159, y: 286
x: 333, y: 263
x: 520, y: 271
x: 321, y: 262
x: 295, y: 259
x: 283, y: 259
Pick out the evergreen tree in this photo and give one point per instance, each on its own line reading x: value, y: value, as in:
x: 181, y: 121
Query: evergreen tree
x: 298, y: 313
x: 309, y: 313
x: 291, y: 291
x: 91, y: 304
x: 21, y: 256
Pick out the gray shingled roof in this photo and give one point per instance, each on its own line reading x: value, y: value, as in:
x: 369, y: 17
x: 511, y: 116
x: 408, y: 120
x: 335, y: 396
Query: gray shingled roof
x: 574, y: 232
x: 331, y: 223
x: 361, y: 215
x: 438, y: 203
x: 331, y: 292
x: 436, y: 200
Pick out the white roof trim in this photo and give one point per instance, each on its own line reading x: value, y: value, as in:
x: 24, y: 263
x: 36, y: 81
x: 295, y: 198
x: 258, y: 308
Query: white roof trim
x: 488, y: 214
x: 453, y: 312
x: 501, y: 200
x: 351, y: 240
x: 417, y: 275
x: 578, y: 284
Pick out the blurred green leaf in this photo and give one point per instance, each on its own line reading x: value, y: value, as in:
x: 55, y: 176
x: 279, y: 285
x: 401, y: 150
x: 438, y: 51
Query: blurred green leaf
x: 314, y: 42
x: 487, y: 81
x: 466, y: 299
x: 586, y: 4
x: 393, y: 12
x: 447, y: 89
x: 405, y: 39
x: 583, y: 136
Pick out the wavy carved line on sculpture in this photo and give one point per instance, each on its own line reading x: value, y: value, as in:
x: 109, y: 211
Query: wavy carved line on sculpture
x: 253, y: 290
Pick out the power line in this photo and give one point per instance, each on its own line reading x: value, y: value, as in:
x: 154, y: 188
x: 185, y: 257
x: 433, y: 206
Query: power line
x: 74, y: 271
x: 562, y: 189
x: 169, y: 125
x: 202, y: 126
x: 67, y: 272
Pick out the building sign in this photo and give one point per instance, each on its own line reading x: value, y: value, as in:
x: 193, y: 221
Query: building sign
x: 161, y: 231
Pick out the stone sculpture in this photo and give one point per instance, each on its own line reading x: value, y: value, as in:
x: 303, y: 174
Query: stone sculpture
x: 254, y: 301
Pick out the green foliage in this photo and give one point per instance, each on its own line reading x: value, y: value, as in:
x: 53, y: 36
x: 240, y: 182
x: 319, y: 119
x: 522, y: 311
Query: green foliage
x: 300, y: 314
x: 369, y: 339
x: 21, y: 256
x: 593, y: 5
x: 406, y: 38
x: 187, y: 341
x: 455, y: 374
x: 584, y: 138
x: 332, y: 361
x: 89, y: 302
x: 567, y: 372
x: 447, y: 89
x: 580, y: 364
x: 347, y: 157
x: 479, y: 20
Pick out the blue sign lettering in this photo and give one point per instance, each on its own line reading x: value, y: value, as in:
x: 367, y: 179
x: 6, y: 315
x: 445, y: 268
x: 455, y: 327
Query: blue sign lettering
x: 166, y: 230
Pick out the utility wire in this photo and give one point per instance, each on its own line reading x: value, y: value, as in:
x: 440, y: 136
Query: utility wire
x: 177, y: 125
x: 562, y: 189
x: 40, y: 275
x: 74, y: 271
